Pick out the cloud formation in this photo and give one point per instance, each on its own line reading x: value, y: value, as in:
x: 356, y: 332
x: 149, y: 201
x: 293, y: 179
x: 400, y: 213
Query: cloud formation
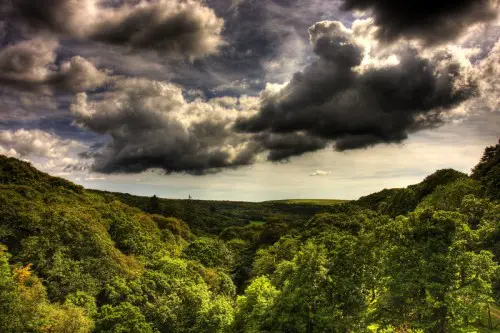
x: 30, y: 65
x: 376, y: 82
x: 186, y: 28
x: 432, y: 21
x: 354, y: 95
x: 151, y: 125
x: 335, y: 99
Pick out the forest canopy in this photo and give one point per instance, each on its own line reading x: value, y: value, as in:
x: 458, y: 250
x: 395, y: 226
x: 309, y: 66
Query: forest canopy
x: 417, y: 259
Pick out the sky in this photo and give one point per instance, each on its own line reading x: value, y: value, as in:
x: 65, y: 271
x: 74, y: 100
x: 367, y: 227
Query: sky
x: 248, y: 99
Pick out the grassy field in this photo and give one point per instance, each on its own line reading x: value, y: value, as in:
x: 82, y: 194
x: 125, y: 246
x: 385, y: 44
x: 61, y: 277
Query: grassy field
x: 315, y: 202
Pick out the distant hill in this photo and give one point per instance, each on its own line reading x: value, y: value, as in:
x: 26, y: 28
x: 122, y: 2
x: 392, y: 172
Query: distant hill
x: 213, y: 216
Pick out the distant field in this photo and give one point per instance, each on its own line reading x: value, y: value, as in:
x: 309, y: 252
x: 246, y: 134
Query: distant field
x: 317, y: 202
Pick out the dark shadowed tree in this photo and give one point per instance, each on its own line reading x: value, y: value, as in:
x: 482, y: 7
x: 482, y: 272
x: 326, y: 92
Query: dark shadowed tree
x: 154, y: 205
x: 487, y: 171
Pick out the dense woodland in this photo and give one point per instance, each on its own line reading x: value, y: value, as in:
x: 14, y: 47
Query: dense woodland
x: 418, y: 259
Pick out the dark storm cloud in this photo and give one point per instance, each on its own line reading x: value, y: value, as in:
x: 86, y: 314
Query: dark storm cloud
x: 334, y: 100
x: 432, y: 21
x: 152, y: 126
x: 186, y: 28
x: 122, y: 155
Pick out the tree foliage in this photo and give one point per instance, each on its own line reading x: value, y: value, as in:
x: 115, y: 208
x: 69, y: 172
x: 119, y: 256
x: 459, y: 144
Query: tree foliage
x: 419, y: 259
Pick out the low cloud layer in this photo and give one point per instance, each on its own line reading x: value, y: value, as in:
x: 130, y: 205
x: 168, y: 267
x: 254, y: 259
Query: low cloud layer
x: 431, y: 21
x: 186, y: 28
x: 336, y: 99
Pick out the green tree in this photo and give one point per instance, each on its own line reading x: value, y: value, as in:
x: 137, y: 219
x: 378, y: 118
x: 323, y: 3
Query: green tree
x: 435, y: 280
x: 210, y: 252
x: 267, y: 259
x: 123, y: 318
x: 491, y: 183
x: 275, y: 227
x: 337, y: 222
x: 65, y: 318
x: 177, y: 296
x: 136, y: 233
x: 449, y: 197
x: 216, y: 317
x: 253, y: 308
x: 490, y: 158
x: 10, y: 307
x: 84, y: 301
x: 401, y: 202
x: 440, y: 177
x: 325, y: 288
